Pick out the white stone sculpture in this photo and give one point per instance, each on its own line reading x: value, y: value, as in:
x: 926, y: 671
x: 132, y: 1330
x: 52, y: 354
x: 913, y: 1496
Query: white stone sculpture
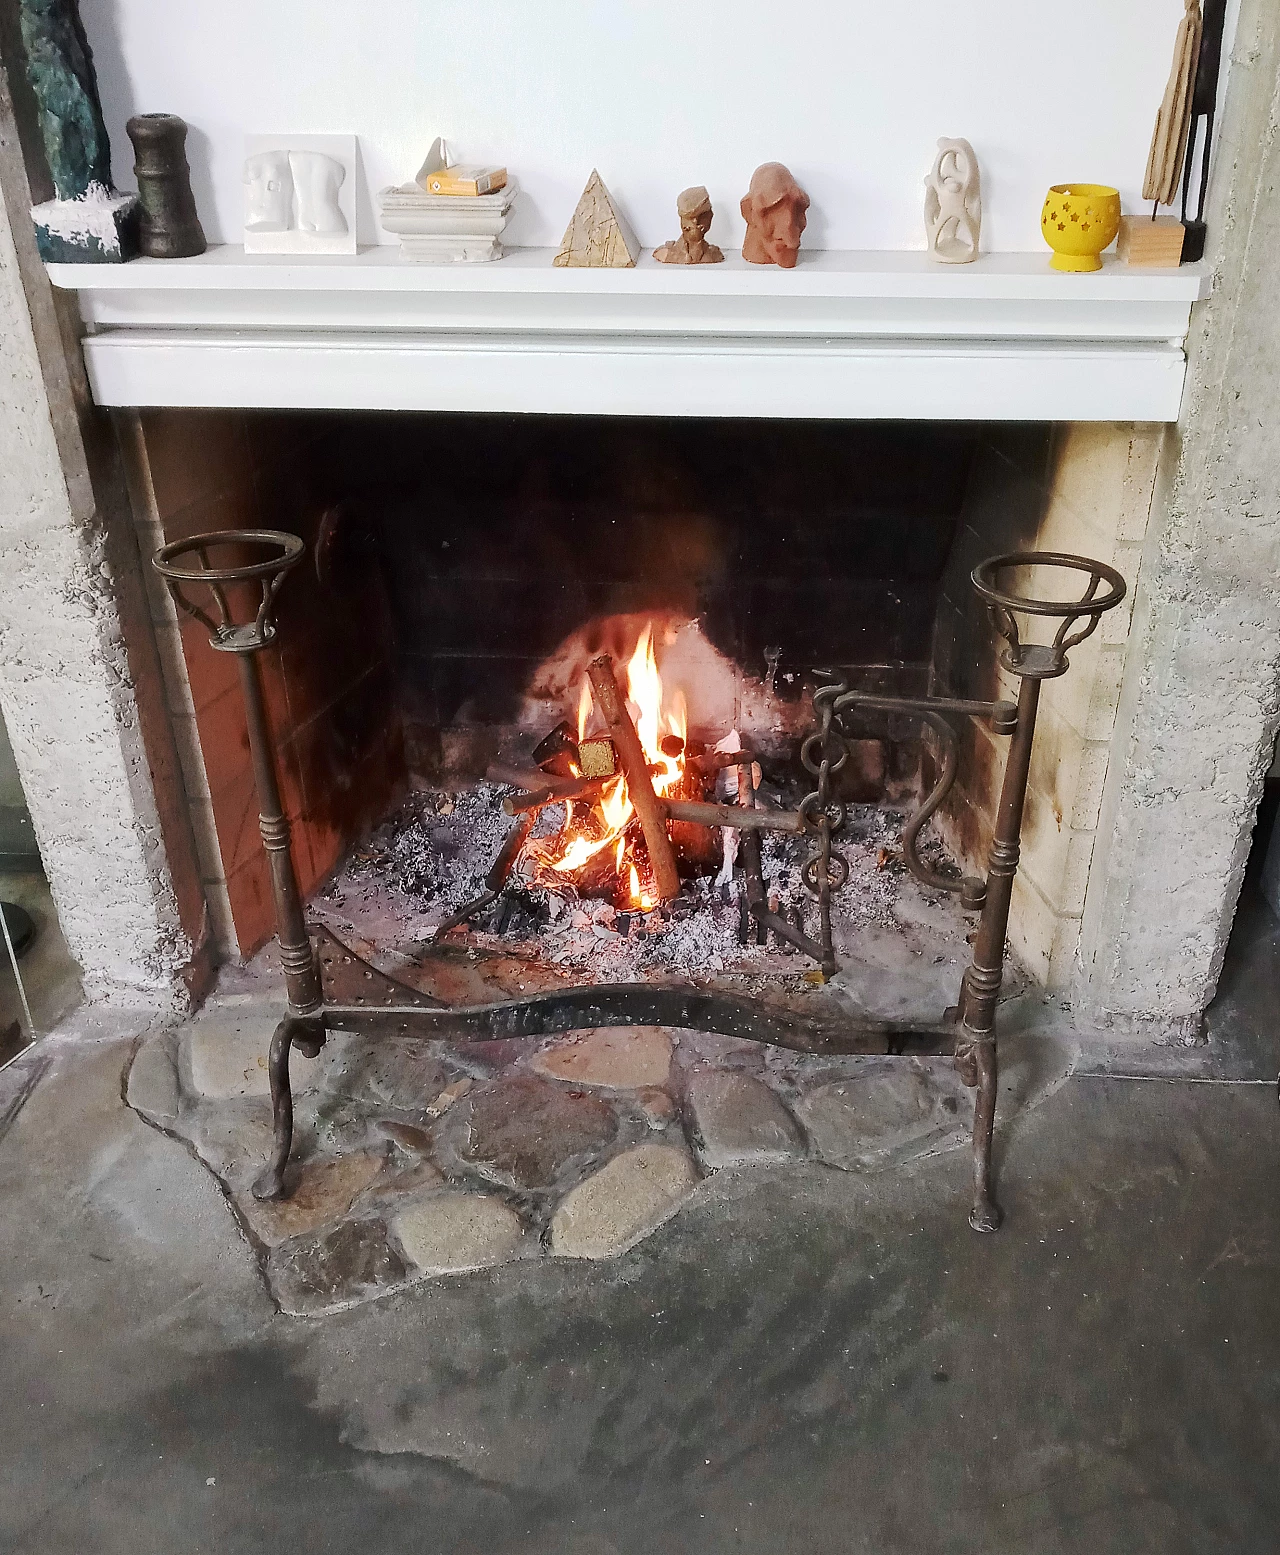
x: 953, y: 204
x: 299, y: 194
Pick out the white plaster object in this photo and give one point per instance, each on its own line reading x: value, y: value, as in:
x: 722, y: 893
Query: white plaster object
x: 445, y: 229
x: 437, y: 160
x: 300, y: 194
x: 317, y: 180
x: 97, y: 214
x: 268, y: 192
x: 953, y: 204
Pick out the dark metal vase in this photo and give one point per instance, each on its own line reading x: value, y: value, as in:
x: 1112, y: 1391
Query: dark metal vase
x: 170, y: 226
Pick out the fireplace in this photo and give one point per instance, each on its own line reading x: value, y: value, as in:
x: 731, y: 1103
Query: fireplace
x: 482, y: 566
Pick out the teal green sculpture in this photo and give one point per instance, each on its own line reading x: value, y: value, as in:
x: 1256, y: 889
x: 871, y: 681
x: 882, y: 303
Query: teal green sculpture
x: 89, y: 220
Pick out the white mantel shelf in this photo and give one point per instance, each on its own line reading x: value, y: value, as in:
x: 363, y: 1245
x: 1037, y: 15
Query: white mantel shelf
x: 844, y: 335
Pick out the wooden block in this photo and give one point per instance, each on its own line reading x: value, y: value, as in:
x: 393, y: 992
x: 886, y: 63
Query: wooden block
x: 597, y: 236
x: 1151, y: 244
x: 597, y: 758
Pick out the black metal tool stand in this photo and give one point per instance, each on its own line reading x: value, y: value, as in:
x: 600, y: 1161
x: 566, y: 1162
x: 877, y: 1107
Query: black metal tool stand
x: 331, y: 988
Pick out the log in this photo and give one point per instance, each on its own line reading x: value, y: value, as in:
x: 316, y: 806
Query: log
x: 653, y: 820
x: 532, y: 780
x: 732, y: 815
x: 541, y: 798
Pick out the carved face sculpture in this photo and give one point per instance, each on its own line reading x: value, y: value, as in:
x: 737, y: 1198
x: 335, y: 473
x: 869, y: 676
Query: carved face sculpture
x: 695, y: 213
x: 774, y: 210
x: 268, y: 192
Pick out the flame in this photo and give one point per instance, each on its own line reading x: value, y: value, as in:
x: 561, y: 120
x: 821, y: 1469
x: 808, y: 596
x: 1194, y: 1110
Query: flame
x: 605, y: 823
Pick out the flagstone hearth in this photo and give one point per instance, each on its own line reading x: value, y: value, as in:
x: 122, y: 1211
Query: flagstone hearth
x: 412, y: 1164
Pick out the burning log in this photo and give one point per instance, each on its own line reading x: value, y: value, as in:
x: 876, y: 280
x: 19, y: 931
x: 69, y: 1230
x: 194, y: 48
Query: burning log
x: 539, y: 798
x: 653, y: 820
x: 558, y: 752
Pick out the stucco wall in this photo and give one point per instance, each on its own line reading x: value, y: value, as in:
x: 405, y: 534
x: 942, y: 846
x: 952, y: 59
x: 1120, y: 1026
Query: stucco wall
x: 1201, y: 696
x: 67, y: 691
x: 1085, y: 489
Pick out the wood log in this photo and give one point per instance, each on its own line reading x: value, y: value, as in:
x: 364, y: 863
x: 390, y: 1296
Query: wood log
x: 653, y: 820
x: 541, y: 798
x: 532, y: 780
x: 732, y: 815
x: 558, y: 752
x: 697, y: 847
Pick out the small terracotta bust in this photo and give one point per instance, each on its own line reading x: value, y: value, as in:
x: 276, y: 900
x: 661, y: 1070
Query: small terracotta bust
x: 691, y: 248
x: 774, y: 210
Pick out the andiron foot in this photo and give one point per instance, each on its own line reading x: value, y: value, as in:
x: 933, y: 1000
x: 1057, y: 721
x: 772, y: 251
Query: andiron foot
x: 308, y: 1032
x: 981, y: 1063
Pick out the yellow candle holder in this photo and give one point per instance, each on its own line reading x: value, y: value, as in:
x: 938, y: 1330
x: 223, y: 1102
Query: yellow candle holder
x: 1078, y: 222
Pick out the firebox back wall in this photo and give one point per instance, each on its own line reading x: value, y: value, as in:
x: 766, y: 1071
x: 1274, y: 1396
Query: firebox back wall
x: 498, y: 537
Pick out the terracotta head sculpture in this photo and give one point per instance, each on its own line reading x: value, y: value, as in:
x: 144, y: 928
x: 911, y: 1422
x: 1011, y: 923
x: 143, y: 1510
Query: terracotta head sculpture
x: 691, y: 247
x: 774, y: 210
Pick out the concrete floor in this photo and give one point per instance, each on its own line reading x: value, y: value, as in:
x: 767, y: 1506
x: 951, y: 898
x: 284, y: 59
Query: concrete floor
x: 801, y: 1360
x: 50, y: 978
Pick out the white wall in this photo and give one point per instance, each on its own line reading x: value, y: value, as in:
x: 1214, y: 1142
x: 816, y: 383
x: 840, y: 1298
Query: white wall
x: 660, y: 94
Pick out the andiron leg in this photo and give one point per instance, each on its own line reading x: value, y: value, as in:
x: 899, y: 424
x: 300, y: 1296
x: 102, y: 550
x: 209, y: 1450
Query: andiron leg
x: 304, y: 1024
x: 976, y: 1042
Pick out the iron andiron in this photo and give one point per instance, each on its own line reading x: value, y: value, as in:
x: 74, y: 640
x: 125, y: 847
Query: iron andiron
x: 331, y: 988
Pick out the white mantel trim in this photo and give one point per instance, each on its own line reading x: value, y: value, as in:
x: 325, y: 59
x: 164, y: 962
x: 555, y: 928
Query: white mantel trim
x: 847, y: 335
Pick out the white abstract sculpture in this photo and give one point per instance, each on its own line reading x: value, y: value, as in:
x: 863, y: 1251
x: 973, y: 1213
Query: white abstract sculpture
x: 299, y: 194
x: 953, y: 204
x: 316, y: 182
x: 268, y: 192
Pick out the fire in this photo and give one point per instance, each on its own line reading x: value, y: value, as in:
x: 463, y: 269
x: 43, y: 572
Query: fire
x: 589, y: 829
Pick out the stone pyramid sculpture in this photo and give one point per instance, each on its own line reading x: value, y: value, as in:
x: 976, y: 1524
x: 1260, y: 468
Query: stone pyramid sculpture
x: 597, y: 235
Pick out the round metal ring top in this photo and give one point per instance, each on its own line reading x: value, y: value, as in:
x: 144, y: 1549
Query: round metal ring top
x: 985, y: 573
x: 288, y: 549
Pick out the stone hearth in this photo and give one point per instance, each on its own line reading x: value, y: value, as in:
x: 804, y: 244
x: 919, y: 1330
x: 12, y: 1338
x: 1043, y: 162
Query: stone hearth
x: 412, y: 1167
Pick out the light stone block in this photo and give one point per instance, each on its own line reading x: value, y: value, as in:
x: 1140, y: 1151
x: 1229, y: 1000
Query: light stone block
x: 153, y: 1080
x: 1089, y: 787
x: 1088, y: 474
x: 887, y: 1113
x: 740, y: 1120
x: 224, y: 1056
x: 623, y: 1202
x: 613, y: 1057
x: 1033, y: 925
x: 447, y: 1233
x: 1075, y: 875
x: 1063, y: 964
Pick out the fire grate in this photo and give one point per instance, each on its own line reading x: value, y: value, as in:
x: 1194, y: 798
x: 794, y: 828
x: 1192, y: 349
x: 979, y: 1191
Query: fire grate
x: 331, y: 988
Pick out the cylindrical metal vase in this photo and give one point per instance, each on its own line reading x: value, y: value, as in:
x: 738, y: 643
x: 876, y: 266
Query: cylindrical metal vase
x: 170, y: 227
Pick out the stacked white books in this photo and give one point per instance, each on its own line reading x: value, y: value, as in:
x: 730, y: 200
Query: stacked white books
x: 445, y: 229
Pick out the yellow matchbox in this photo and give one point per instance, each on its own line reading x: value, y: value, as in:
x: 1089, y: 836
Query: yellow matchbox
x: 463, y: 180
